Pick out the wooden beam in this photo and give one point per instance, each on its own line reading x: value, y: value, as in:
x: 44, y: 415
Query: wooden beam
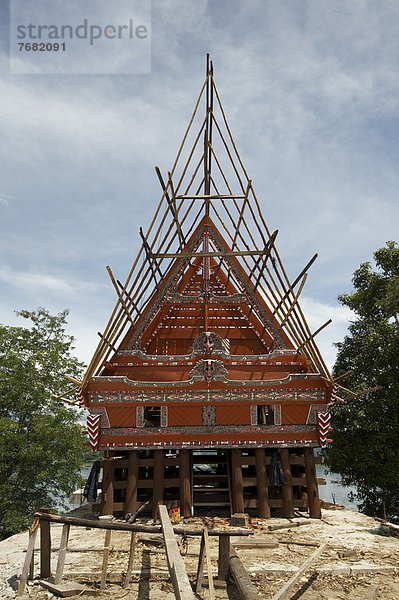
x: 177, y: 570
x: 241, y: 577
x: 223, y: 558
x: 118, y: 526
x: 219, y: 254
x: 121, y: 300
x: 107, y: 342
x: 290, y: 290
x: 311, y: 483
x: 313, y: 335
x: 298, y: 574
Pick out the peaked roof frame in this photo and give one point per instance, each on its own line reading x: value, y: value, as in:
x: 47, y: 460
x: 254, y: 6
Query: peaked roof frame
x: 198, y: 185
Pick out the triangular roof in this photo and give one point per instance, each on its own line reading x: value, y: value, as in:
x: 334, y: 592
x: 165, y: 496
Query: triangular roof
x: 208, y: 191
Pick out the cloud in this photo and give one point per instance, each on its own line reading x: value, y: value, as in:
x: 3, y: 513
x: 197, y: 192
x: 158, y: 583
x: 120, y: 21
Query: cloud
x: 40, y: 283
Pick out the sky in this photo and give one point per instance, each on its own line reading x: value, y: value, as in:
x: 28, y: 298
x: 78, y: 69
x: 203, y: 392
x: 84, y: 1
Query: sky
x: 310, y: 88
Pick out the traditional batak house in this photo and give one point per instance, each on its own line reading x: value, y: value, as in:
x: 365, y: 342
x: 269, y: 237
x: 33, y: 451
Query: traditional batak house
x: 207, y: 386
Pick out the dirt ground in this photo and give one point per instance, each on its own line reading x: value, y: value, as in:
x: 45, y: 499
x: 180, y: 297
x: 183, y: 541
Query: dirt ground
x: 360, y: 561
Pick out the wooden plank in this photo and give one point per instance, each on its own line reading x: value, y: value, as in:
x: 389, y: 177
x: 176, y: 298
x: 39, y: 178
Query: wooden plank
x: 131, y: 559
x: 28, y: 557
x: 287, y: 493
x: 181, y: 584
x: 108, y: 487
x: 107, y: 544
x: 311, y: 482
x: 241, y: 577
x: 298, y: 574
x: 45, y: 547
x: 66, y: 590
x: 62, y: 553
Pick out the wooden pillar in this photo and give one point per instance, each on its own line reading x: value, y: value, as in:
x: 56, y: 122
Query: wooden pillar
x: 45, y: 547
x: 311, y: 481
x: 108, y: 487
x: 237, y: 481
x: 158, y: 481
x: 262, y: 483
x: 131, y: 483
x: 185, y: 483
x: 288, y: 496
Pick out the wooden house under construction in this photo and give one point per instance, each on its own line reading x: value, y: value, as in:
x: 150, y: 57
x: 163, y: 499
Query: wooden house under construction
x: 207, y: 386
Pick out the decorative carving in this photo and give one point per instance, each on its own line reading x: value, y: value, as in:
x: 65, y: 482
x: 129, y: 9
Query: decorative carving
x: 208, y: 370
x: 209, y: 416
x: 164, y: 416
x: 209, y: 343
x: 140, y: 416
x: 277, y: 414
x: 323, y: 427
x: 93, y: 429
x: 254, y: 414
x: 101, y: 410
x: 273, y: 395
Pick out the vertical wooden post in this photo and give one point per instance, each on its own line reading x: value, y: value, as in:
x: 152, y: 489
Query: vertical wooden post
x: 288, y: 496
x: 62, y: 554
x: 131, y: 483
x: 45, y: 547
x: 158, y: 481
x: 237, y: 481
x: 108, y: 487
x: 224, y: 556
x: 311, y: 482
x: 185, y: 485
x: 131, y: 559
x: 107, y: 543
x: 262, y: 483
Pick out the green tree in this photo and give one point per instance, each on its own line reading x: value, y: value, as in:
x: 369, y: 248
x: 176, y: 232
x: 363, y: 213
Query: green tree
x: 365, y: 449
x: 41, y: 441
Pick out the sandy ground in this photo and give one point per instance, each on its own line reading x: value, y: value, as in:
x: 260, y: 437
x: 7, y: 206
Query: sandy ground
x: 360, y: 562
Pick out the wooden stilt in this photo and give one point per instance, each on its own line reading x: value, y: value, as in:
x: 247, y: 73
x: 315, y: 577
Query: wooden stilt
x: 131, y: 483
x: 108, y: 487
x: 158, y: 489
x: 288, y: 498
x: 62, y: 554
x: 311, y: 481
x: 262, y: 484
x: 185, y: 485
x: 237, y: 481
x: 45, y: 547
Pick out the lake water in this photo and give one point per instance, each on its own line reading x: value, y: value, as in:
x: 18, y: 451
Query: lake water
x: 334, y: 491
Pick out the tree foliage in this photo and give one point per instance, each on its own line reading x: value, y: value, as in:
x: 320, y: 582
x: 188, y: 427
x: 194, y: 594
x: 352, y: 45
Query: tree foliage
x: 41, y: 441
x: 365, y: 449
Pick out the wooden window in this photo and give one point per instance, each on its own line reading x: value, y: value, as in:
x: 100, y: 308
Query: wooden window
x: 265, y: 414
x: 155, y: 416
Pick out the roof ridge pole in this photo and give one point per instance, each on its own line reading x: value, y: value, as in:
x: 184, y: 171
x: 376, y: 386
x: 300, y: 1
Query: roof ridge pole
x: 208, y: 133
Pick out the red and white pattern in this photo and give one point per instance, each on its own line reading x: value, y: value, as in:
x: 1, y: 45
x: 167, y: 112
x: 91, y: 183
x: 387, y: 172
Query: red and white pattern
x: 93, y: 429
x: 323, y: 427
